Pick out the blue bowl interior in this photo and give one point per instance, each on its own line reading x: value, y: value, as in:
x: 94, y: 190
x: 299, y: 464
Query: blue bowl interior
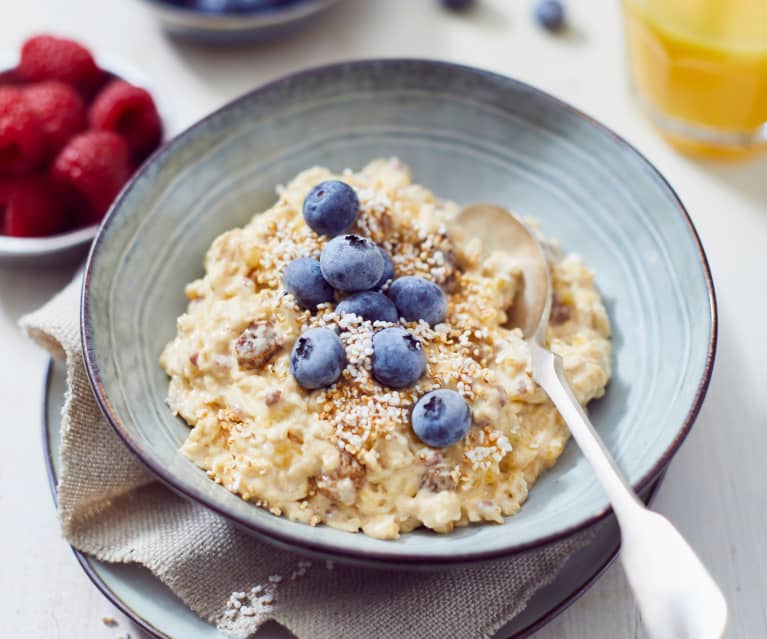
x: 469, y: 136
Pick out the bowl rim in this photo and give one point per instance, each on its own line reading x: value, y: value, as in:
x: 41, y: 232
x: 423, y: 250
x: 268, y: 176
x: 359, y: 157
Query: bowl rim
x: 405, y: 558
x: 38, y: 246
x: 256, y: 19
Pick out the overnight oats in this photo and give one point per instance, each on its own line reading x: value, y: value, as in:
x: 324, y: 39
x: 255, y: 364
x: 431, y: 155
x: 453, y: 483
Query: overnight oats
x: 346, y: 360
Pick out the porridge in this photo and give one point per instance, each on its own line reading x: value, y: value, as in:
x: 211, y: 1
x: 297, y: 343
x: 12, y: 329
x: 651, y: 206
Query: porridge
x: 345, y: 360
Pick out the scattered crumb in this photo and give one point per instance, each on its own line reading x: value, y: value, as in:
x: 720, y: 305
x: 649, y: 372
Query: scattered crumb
x: 303, y: 566
x: 109, y: 622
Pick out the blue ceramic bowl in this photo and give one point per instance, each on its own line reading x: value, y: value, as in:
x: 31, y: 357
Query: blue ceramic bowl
x: 253, y: 22
x: 471, y: 136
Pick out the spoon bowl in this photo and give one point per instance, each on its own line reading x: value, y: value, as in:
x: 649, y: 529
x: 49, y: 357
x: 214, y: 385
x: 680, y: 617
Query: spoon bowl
x: 500, y: 230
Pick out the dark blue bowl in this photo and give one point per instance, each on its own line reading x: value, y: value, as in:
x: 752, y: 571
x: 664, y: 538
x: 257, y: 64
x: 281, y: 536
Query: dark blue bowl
x: 223, y: 22
x: 228, y: 6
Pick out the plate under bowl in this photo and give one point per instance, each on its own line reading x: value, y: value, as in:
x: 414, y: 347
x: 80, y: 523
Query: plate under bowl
x: 470, y: 135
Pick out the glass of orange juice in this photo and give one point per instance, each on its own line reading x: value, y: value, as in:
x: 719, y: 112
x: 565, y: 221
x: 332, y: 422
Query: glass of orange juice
x: 699, y: 68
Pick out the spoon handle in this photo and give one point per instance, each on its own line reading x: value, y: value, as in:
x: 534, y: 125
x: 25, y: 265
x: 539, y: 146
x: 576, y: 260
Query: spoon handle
x: 549, y: 373
x: 677, y: 597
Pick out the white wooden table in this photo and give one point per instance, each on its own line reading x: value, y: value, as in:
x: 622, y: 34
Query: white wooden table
x: 715, y: 491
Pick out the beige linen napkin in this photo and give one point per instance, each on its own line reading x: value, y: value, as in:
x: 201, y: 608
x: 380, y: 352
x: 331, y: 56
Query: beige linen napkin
x: 111, y: 507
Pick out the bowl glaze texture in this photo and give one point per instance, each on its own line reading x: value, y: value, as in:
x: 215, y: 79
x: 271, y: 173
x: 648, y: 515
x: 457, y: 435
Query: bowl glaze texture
x: 469, y: 135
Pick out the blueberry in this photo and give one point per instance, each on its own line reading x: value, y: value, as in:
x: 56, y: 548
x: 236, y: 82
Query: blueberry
x: 457, y: 5
x: 369, y: 305
x: 417, y: 298
x: 388, y: 269
x: 398, y: 357
x: 351, y: 263
x: 331, y: 207
x: 303, y: 278
x: 550, y: 14
x: 318, y: 358
x: 441, y: 418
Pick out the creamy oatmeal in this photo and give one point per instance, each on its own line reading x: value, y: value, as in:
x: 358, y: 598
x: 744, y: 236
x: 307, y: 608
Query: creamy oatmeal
x: 346, y: 455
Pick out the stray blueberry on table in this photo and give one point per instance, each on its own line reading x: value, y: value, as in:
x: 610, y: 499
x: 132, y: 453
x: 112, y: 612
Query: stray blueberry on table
x: 331, y: 207
x: 351, y: 263
x: 369, y: 305
x: 388, y: 269
x: 441, y: 418
x: 550, y: 14
x: 398, y: 358
x: 458, y: 5
x: 318, y: 358
x: 303, y: 278
x: 417, y: 298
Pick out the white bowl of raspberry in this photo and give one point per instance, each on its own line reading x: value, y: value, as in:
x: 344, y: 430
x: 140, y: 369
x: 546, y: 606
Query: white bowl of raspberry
x: 71, y: 136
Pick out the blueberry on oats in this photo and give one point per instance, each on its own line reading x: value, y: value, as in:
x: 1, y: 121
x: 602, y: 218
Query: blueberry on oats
x: 318, y: 358
x: 441, y: 418
x: 417, y: 298
x: 303, y: 278
x: 351, y: 263
x: 331, y: 207
x: 369, y: 305
x: 398, y: 358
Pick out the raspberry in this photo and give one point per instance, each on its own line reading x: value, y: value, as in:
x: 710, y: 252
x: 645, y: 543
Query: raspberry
x: 59, y: 109
x: 5, y: 191
x: 32, y: 208
x: 93, y: 167
x: 130, y: 111
x: 10, y: 77
x: 22, y: 146
x: 46, y: 57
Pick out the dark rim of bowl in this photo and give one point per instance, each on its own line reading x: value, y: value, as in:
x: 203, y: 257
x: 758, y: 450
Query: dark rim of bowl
x: 272, y: 7
x: 103, y: 587
x: 401, y: 559
x: 268, y: 16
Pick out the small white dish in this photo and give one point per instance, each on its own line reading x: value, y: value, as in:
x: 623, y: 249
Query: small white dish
x: 46, y: 251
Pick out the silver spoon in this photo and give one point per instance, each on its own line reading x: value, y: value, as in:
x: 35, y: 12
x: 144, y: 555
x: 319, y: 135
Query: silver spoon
x: 677, y: 597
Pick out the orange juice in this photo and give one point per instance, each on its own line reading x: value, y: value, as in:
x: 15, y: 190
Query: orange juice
x: 700, y: 69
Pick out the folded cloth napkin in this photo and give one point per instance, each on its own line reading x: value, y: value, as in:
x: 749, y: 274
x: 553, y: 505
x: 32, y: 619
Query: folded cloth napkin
x: 111, y: 507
